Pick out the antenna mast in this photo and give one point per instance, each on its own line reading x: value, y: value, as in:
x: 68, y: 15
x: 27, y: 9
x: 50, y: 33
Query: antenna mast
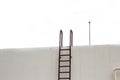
x: 89, y: 33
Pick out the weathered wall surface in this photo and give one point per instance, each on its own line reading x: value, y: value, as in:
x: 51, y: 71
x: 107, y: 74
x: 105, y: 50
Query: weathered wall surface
x: 88, y: 63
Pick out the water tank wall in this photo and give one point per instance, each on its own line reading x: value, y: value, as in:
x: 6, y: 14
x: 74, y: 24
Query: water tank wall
x: 88, y: 63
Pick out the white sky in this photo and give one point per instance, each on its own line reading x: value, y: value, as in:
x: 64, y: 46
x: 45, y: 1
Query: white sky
x: 36, y: 23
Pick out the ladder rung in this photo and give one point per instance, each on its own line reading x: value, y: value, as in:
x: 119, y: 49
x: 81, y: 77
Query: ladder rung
x: 65, y: 72
x: 65, y: 55
x: 64, y: 60
x: 64, y: 78
x: 64, y: 49
x: 64, y: 66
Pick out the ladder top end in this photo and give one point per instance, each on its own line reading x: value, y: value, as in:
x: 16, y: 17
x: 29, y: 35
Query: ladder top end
x: 61, y: 31
x: 71, y: 30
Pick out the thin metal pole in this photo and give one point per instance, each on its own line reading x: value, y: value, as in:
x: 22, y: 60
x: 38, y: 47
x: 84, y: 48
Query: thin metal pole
x: 89, y: 33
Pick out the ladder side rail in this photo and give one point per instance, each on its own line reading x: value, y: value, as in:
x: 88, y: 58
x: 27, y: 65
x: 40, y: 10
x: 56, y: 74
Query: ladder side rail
x: 71, y: 44
x: 60, y: 45
x: 70, y: 64
x: 60, y: 39
x: 71, y: 38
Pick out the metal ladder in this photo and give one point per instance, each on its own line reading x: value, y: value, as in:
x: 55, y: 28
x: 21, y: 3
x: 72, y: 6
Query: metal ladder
x: 64, y: 64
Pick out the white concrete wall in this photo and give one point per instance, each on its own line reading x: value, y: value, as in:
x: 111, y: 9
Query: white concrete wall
x: 88, y: 63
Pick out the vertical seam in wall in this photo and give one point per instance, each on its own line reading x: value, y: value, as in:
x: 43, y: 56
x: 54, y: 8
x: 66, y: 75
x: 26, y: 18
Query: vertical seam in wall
x: 95, y: 62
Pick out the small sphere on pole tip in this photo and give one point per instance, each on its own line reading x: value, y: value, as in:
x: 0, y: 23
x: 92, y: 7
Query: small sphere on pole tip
x: 89, y: 22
